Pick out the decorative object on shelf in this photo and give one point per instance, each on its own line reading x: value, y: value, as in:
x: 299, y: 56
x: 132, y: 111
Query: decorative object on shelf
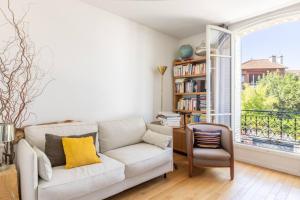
x: 185, y: 51
x: 7, y: 135
x: 21, y: 78
x: 201, y: 49
x: 162, y: 69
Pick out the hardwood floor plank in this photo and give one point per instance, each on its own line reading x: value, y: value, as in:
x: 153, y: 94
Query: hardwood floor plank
x: 295, y: 190
x: 250, y: 183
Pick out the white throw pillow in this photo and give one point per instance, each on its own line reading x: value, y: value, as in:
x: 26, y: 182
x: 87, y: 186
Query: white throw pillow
x: 44, y: 165
x: 157, y: 139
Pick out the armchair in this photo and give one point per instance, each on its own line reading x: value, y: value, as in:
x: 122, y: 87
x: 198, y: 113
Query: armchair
x: 205, y: 157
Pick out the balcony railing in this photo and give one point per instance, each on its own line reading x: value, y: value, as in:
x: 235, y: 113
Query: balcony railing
x: 271, y: 128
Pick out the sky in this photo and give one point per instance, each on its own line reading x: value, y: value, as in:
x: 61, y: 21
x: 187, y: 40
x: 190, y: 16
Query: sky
x: 283, y: 39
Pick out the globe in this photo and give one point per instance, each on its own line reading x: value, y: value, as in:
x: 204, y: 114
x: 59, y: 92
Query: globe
x: 185, y: 51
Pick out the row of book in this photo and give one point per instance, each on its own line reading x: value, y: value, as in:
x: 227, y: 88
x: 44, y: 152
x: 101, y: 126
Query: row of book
x: 202, y: 98
x: 169, y: 119
x: 192, y: 103
x: 190, y: 69
x: 189, y: 86
x: 195, y: 118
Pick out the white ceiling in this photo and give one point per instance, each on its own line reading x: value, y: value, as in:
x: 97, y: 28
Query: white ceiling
x: 183, y: 18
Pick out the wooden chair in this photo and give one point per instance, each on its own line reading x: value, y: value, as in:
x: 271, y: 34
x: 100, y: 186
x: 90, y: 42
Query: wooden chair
x: 205, y: 157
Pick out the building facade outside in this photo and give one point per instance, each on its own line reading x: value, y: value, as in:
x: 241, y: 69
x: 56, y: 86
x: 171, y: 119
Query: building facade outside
x: 254, y: 69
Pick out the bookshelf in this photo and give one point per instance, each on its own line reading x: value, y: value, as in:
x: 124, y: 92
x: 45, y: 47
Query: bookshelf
x: 189, y: 96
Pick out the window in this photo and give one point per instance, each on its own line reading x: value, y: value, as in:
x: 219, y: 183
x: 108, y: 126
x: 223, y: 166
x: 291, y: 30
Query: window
x: 253, y: 78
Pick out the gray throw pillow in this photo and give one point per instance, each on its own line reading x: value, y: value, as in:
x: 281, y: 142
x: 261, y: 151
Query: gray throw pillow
x: 54, y: 148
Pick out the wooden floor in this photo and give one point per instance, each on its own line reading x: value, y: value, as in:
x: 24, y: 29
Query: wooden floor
x: 251, y: 182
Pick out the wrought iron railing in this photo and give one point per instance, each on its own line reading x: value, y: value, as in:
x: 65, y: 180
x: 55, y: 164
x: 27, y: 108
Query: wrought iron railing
x: 275, y: 126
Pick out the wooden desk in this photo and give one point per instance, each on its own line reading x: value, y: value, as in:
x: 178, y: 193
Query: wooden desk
x: 9, y: 184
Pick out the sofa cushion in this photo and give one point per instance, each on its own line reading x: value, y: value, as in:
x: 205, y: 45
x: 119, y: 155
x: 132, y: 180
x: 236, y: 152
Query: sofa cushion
x: 120, y: 133
x: 140, y: 158
x: 54, y: 148
x: 211, y: 154
x: 79, y: 152
x: 157, y: 139
x: 73, y: 183
x: 35, y: 135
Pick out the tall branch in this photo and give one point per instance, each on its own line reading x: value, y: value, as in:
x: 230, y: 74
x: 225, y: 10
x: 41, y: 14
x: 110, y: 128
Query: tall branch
x: 20, y: 76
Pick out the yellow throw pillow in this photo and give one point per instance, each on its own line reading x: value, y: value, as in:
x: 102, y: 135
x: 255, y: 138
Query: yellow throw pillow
x: 79, y: 151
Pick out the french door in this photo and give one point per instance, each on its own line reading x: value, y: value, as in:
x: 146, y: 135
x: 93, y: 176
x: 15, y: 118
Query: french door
x: 219, y: 75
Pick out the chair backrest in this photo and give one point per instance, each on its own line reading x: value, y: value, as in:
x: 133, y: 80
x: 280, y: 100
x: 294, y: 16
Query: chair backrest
x: 35, y: 135
x: 120, y: 133
x: 226, y: 137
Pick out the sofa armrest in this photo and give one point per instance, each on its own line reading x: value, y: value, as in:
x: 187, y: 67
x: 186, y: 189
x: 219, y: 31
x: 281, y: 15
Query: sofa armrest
x: 161, y: 129
x: 28, y: 169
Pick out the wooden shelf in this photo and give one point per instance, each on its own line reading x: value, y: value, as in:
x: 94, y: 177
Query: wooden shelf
x: 190, y: 76
x: 192, y: 93
x: 199, y: 59
x: 191, y: 111
x: 179, y: 143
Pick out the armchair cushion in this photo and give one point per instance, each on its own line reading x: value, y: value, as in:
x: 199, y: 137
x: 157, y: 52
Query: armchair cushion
x: 211, y: 154
x: 226, y: 137
x: 207, y: 139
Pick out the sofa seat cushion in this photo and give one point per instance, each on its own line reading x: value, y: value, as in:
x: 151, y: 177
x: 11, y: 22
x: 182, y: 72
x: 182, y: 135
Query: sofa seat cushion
x: 72, y: 183
x: 140, y: 158
x: 211, y: 154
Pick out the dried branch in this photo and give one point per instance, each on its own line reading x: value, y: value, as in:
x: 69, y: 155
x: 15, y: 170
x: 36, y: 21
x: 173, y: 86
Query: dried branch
x: 21, y: 80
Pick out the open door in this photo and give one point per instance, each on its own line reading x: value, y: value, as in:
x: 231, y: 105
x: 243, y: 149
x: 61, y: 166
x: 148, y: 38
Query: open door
x: 219, y: 87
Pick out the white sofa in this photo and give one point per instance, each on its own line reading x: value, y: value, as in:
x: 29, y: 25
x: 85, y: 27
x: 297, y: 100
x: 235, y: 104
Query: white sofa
x: 127, y: 161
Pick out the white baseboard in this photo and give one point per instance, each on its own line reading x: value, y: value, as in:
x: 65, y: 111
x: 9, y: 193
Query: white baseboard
x: 268, y: 158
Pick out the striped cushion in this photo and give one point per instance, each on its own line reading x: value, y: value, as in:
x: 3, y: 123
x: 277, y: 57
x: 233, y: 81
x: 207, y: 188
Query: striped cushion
x: 207, y: 139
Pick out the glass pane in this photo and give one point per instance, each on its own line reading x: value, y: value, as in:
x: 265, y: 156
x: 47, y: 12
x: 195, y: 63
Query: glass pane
x: 221, y: 90
x: 220, y: 43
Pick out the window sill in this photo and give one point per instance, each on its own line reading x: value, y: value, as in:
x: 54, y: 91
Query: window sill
x: 266, y: 150
x: 269, y: 158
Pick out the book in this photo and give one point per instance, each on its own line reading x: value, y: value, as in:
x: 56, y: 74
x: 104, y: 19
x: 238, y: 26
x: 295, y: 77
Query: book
x: 189, y: 69
x: 189, y: 86
x: 169, y: 119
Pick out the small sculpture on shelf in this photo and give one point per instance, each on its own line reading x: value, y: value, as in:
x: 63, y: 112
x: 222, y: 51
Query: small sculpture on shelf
x: 201, y: 49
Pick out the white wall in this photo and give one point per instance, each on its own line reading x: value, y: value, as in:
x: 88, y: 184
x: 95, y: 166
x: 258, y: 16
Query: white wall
x: 194, y: 40
x: 103, y: 65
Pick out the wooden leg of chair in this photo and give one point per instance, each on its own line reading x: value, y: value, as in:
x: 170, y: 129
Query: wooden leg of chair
x: 175, y: 166
x: 190, y: 162
x: 190, y: 171
x: 190, y: 168
x: 231, y: 172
